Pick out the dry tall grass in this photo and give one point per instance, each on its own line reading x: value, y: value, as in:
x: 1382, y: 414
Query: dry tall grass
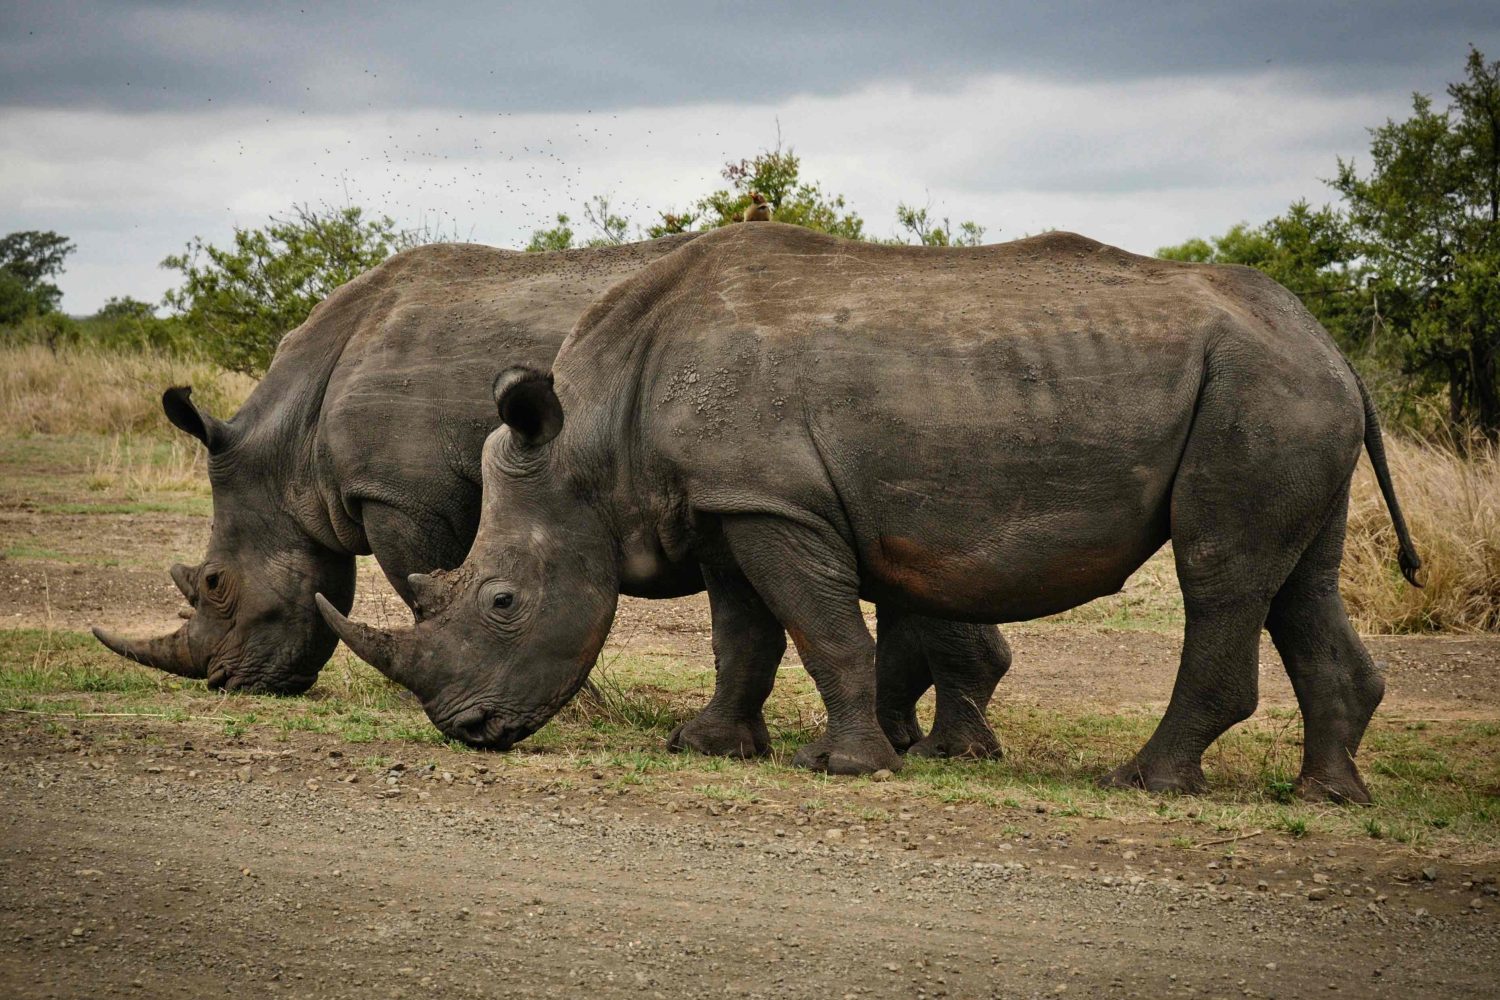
x: 139, y: 467
x: 79, y: 390
x: 1452, y: 505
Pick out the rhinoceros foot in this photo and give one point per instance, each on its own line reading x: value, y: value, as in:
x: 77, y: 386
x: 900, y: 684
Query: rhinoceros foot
x: 849, y: 755
x: 1158, y: 775
x: 972, y: 742
x: 717, y: 736
x: 1340, y: 788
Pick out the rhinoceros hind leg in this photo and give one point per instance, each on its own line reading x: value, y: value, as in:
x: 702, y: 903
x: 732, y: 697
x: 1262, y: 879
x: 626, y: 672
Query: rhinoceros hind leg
x: 902, y: 676
x: 967, y: 662
x: 748, y: 644
x: 1259, y: 476
x: 1338, y: 686
x: 1217, y: 680
x: 964, y: 661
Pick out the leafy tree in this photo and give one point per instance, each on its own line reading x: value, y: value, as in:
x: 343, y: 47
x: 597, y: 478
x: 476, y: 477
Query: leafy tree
x: 1311, y: 252
x: 559, y: 237
x: 671, y: 223
x: 15, y: 300
x: 241, y: 300
x: 27, y: 260
x: 125, y: 307
x: 930, y: 232
x: 777, y: 174
x: 613, y: 229
x: 1426, y: 219
x: 127, y: 323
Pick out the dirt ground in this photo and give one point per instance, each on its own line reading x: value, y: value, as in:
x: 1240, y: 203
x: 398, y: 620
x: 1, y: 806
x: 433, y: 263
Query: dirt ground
x: 166, y: 858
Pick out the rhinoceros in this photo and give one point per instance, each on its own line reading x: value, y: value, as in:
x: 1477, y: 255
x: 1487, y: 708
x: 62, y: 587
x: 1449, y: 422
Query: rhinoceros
x: 987, y: 435
x: 365, y: 436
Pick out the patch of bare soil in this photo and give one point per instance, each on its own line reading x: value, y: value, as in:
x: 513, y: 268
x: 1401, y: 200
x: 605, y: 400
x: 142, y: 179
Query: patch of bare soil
x: 257, y: 867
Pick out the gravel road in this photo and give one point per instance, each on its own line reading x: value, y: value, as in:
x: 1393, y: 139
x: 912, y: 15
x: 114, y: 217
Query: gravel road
x: 158, y: 860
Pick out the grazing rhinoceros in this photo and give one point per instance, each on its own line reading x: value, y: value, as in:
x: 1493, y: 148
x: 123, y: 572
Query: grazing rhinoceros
x: 365, y: 436
x: 987, y: 434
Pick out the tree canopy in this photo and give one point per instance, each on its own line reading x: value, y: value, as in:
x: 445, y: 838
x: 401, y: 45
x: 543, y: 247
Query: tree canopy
x: 775, y: 174
x: 1406, y: 270
x: 28, y: 259
x: 242, y: 299
x: 1426, y: 222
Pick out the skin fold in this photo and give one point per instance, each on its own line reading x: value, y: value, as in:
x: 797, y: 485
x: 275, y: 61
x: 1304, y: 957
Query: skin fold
x: 977, y: 434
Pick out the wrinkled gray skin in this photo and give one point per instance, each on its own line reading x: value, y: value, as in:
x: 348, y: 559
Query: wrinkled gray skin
x: 365, y: 436
x: 988, y: 434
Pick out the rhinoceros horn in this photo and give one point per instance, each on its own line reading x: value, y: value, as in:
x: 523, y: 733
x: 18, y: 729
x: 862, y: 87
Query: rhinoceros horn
x: 186, y: 579
x: 375, y: 646
x: 168, y: 652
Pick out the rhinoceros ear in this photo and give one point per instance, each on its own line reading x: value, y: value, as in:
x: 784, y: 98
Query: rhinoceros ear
x: 178, y: 404
x: 528, y: 405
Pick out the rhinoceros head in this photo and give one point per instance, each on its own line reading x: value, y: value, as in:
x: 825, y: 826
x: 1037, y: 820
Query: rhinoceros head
x: 253, y: 624
x: 501, y: 643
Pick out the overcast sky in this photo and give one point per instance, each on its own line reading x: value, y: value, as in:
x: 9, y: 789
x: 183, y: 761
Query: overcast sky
x: 134, y: 127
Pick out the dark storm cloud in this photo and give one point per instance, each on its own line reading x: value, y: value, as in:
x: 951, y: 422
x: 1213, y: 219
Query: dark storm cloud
x: 564, y: 56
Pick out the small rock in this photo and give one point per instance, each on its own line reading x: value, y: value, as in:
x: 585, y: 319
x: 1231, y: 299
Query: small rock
x: 884, y: 774
x: 1429, y: 874
x: 1319, y: 894
x: 833, y: 835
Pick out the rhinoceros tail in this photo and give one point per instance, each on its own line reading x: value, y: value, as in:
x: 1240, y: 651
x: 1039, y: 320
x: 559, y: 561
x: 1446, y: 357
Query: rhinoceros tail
x: 1406, y: 554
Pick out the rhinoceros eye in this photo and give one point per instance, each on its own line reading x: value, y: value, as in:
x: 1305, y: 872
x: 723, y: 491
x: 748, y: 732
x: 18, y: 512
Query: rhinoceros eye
x: 502, y: 600
x: 211, y: 581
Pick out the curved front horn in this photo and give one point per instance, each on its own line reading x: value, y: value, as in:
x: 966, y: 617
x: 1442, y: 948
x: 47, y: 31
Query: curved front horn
x: 169, y: 652
x: 376, y: 647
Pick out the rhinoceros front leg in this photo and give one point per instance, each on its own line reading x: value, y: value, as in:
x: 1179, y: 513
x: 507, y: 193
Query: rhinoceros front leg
x: 809, y: 582
x: 748, y: 643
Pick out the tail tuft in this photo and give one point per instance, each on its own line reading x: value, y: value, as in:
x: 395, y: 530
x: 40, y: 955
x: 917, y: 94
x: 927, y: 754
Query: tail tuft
x: 1410, y: 563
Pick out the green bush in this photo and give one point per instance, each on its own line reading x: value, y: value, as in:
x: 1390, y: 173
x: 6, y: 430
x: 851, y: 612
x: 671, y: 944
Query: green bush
x: 238, y: 302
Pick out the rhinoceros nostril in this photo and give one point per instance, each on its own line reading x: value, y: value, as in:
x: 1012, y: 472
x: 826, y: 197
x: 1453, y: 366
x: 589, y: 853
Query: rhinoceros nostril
x: 469, y: 725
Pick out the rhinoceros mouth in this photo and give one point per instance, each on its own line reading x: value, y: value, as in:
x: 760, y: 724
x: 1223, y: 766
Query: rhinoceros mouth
x: 484, y: 729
